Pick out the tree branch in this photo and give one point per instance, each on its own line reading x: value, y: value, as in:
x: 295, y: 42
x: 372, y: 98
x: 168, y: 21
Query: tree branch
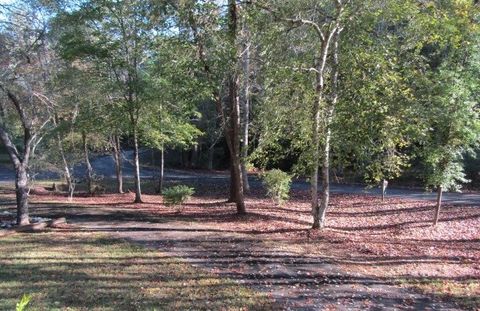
x: 11, y: 149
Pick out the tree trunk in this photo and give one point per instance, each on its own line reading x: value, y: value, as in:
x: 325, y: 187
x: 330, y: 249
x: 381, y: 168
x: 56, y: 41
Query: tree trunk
x: 88, y: 171
x: 244, y: 153
x: 19, y: 160
x: 438, y: 205
x: 136, y: 158
x: 384, y: 188
x: 233, y: 131
x: 211, y: 154
x: 235, y: 152
x: 162, y: 165
x: 325, y: 177
x: 117, y: 156
x: 194, y: 158
x: 316, y: 164
x: 21, y: 189
x: 246, y: 107
x: 320, y: 211
x: 316, y: 135
x: 66, y: 169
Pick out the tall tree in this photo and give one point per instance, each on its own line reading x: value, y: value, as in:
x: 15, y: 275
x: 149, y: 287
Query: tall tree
x: 118, y: 36
x: 377, y: 104
x: 324, y: 22
x: 447, y: 91
x: 215, y: 35
x: 173, y: 94
x: 24, y: 56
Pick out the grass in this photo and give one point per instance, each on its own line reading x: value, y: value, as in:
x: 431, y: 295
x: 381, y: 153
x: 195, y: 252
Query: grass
x: 466, y: 293
x: 85, y: 271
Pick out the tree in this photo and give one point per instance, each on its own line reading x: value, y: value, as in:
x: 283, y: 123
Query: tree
x: 24, y: 54
x: 447, y: 90
x: 84, y: 122
x: 215, y: 35
x: 324, y: 23
x: 373, y: 120
x: 172, y: 95
x: 117, y: 37
x: 368, y: 83
x: 454, y: 131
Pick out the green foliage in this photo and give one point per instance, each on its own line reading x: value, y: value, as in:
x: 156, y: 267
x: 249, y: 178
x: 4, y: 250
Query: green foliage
x: 23, y: 303
x: 452, y: 123
x: 278, y: 184
x: 177, y: 195
x: 442, y: 171
x: 408, y: 83
x: 172, y: 94
x: 408, y: 75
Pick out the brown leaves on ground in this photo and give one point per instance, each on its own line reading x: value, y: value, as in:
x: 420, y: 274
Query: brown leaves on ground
x: 391, y: 239
x: 362, y: 224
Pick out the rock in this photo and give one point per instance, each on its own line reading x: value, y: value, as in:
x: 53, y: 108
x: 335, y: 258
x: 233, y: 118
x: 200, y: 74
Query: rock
x: 57, y: 222
x: 39, y: 219
x: 35, y: 227
x: 7, y: 224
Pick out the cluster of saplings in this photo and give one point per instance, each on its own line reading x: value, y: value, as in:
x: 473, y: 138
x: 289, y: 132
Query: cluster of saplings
x: 368, y: 86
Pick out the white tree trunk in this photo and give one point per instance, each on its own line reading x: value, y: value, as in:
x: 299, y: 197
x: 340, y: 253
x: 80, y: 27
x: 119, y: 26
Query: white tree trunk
x: 245, y: 106
x: 88, y: 170
x: 66, y: 169
x: 117, y: 156
x: 21, y: 191
x: 438, y: 205
x: 136, y: 159
x: 319, y: 216
x: 162, y: 166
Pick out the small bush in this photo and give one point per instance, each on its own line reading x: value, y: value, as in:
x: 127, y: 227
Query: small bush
x: 278, y: 184
x: 177, y: 195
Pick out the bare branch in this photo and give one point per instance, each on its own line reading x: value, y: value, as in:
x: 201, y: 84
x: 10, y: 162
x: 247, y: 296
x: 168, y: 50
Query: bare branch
x: 311, y: 69
x: 16, y: 103
x: 298, y: 21
x: 11, y: 148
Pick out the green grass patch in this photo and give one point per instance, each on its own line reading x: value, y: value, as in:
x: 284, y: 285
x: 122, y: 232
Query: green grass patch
x: 465, y: 293
x: 84, y: 271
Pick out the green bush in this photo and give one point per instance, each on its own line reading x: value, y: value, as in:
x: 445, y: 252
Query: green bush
x: 278, y: 184
x: 177, y: 195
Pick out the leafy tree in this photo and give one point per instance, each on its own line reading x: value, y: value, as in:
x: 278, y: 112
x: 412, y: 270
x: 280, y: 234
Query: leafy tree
x: 367, y: 101
x: 117, y: 36
x: 454, y: 131
x: 316, y: 28
x: 373, y: 119
x: 215, y: 34
x: 447, y: 91
x: 172, y: 94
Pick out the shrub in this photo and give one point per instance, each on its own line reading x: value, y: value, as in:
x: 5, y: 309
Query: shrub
x: 177, y: 195
x: 278, y: 184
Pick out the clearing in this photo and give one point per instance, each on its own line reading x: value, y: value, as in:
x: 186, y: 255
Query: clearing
x: 373, y: 255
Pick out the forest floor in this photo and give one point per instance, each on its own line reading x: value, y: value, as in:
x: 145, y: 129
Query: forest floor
x: 372, y: 255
